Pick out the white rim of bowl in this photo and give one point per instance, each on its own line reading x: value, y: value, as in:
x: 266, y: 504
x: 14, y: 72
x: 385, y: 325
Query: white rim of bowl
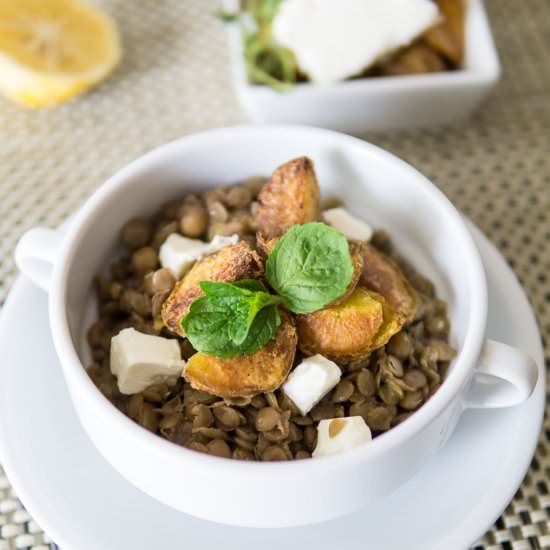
x: 464, y: 363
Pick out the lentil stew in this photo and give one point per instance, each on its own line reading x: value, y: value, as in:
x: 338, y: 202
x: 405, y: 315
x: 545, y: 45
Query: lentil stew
x: 384, y: 387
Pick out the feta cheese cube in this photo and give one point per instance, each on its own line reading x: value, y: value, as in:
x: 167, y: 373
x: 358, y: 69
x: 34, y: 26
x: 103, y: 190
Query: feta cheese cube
x: 179, y: 253
x: 337, y: 435
x: 346, y: 223
x: 220, y: 241
x: 139, y: 360
x: 310, y: 381
x: 333, y: 40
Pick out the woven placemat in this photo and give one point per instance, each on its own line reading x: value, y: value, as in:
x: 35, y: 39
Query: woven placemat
x: 175, y: 79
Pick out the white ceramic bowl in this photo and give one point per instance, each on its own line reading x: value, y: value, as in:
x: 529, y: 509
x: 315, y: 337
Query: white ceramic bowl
x: 376, y: 186
x: 377, y: 103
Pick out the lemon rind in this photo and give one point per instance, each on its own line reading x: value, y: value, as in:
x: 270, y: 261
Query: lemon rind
x: 35, y: 89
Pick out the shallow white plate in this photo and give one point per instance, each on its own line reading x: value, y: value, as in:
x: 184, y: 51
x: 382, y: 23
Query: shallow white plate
x: 84, y: 504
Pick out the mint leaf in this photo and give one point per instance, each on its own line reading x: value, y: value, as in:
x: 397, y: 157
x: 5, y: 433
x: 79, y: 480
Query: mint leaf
x: 250, y: 284
x: 310, y: 266
x: 241, y: 300
x: 219, y: 318
x: 263, y: 11
x: 227, y: 17
x: 244, y: 287
x: 259, y: 301
x: 210, y: 334
x: 232, y: 319
x: 266, y: 61
x: 263, y: 330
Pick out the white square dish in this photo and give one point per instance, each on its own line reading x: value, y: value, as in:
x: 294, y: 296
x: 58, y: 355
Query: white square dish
x: 377, y: 103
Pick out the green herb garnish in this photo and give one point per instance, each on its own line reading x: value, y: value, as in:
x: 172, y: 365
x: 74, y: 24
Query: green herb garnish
x: 227, y: 17
x: 267, y: 62
x: 232, y: 319
x: 263, y: 11
x: 309, y: 267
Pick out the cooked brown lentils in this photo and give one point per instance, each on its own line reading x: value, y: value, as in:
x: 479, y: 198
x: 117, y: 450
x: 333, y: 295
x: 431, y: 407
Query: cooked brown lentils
x: 400, y: 345
x: 343, y: 391
x: 276, y: 453
x: 384, y: 388
x: 159, y: 280
x: 227, y: 417
x: 266, y: 419
x: 218, y: 447
x: 194, y: 221
x: 136, y: 233
x: 144, y: 259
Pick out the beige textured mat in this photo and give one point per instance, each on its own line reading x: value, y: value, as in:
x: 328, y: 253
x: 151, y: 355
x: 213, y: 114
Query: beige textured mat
x: 175, y: 80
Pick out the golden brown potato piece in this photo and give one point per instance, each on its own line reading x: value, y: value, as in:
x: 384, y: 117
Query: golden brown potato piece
x: 350, y: 330
x: 392, y: 324
x: 447, y: 38
x: 290, y: 197
x: 383, y: 275
x: 265, y: 246
x: 231, y: 263
x: 263, y: 371
x: 356, y: 250
x: 417, y: 59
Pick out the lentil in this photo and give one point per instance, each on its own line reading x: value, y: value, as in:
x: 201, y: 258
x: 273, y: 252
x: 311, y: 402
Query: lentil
x: 400, y: 345
x: 266, y: 419
x: 227, y: 417
x: 238, y: 197
x: 275, y: 453
x: 218, y: 447
x: 136, y: 233
x: 144, y: 259
x: 343, y: 391
x: 194, y: 221
x: 366, y: 383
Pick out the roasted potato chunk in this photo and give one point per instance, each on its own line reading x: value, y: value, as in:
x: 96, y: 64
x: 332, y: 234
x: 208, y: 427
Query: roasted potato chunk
x: 382, y: 275
x: 447, y: 38
x: 229, y: 264
x: 290, y: 197
x: 265, y: 246
x: 263, y: 371
x: 356, y: 250
x: 350, y: 330
x: 416, y: 59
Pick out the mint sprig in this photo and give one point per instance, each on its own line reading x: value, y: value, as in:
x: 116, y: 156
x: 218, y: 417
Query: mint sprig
x: 232, y: 319
x: 266, y: 61
x: 309, y: 267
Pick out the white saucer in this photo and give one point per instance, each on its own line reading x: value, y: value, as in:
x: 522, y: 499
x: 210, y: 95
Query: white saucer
x: 83, y: 504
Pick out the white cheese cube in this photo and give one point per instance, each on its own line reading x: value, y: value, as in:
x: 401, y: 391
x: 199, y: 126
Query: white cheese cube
x: 179, y: 253
x: 219, y: 241
x: 333, y: 40
x: 310, y: 381
x: 346, y: 223
x: 337, y: 435
x: 139, y: 360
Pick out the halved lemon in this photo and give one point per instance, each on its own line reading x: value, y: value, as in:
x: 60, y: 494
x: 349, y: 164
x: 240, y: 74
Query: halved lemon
x: 52, y: 50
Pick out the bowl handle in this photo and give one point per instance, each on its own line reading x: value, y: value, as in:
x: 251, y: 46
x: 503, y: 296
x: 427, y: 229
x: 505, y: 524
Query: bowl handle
x: 504, y: 377
x: 35, y: 254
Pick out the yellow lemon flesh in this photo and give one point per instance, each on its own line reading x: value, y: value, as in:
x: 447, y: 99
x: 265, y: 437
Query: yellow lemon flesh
x: 52, y: 50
